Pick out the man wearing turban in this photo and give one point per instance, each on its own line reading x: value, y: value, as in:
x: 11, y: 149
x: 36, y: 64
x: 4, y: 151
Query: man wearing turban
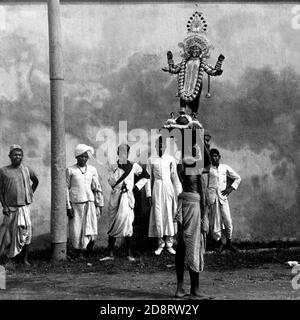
x: 84, y: 200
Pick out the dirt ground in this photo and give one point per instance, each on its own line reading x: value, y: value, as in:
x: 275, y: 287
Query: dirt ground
x: 250, y: 274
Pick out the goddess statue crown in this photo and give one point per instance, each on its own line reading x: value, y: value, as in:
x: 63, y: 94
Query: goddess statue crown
x: 196, y: 36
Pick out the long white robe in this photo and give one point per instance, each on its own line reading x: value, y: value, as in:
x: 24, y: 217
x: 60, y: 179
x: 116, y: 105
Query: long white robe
x: 121, y: 203
x: 165, y: 190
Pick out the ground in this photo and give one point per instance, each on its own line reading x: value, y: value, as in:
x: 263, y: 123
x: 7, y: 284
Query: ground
x: 250, y: 274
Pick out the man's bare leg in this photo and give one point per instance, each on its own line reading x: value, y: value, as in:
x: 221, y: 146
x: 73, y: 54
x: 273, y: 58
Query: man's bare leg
x: 25, y: 255
x: 230, y: 246
x: 128, y: 249
x: 3, y: 231
x: 89, y: 248
x: 111, y: 245
x: 195, y: 291
x: 179, y: 264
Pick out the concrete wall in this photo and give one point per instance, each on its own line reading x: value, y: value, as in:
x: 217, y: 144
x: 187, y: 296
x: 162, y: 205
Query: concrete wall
x: 113, y: 58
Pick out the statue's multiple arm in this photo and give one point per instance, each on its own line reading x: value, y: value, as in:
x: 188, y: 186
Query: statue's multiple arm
x: 216, y: 70
x: 172, y: 67
x: 212, y: 71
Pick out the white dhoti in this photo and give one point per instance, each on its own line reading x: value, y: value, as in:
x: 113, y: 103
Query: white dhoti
x: 15, y: 231
x: 121, y: 215
x: 83, y: 228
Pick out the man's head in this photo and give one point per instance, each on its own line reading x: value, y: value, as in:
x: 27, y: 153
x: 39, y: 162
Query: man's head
x: 215, y: 157
x: 82, y: 153
x: 82, y: 159
x: 16, y: 155
x: 123, y: 152
x: 160, y: 146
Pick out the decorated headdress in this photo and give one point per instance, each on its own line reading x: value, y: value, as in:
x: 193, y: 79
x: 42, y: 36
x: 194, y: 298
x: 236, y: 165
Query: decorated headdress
x: 196, y: 36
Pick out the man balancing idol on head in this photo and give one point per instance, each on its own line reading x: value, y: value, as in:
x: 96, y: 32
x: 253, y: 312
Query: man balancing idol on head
x: 84, y: 201
x: 17, y: 185
x: 192, y: 223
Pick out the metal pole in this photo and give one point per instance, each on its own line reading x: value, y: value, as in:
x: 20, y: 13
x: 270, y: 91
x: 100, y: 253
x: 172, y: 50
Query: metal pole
x: 58, y: 148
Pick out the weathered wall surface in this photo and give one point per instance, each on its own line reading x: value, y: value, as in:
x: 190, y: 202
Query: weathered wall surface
x: 113, y: 57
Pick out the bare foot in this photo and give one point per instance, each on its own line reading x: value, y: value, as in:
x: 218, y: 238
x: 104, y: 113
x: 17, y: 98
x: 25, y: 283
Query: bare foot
x: 130, y: 258
x: 107, y: 258
x: 200, y: 297
x: 179, y: 293
x: 26, y: 263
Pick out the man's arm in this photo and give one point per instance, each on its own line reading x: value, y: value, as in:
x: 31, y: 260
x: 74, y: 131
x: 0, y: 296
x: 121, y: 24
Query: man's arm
x: 97, y: 189
x: 206, y: 169
x: 34, y: 179
x: 143, y: 175
x: 175, y: 179
x: 237, y: 180
x: 98, y: 193
x: 68, y: 182
x: 233, y: 175
x: 149, y: 182
x: 5, y: 207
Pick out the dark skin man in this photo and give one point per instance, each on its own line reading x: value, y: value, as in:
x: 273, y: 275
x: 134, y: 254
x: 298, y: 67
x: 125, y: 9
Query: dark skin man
x: 82, y: 164
x: 16, y: 158
x: 215, y: 160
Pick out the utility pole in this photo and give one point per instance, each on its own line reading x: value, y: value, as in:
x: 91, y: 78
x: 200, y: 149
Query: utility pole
x: 58, y: 147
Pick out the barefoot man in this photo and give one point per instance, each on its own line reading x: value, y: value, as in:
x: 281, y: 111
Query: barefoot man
x: 84, y: 201
x: 217, y: 196
x: 121, y: 201
x: 17, y: 185
x: 192, y: 226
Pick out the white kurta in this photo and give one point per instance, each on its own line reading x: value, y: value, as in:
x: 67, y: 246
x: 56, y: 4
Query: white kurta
x: 166, y: 188
x: 121, y: 203
x: 217, y: 182
x: 82, y: 188
x: 219, y: 212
